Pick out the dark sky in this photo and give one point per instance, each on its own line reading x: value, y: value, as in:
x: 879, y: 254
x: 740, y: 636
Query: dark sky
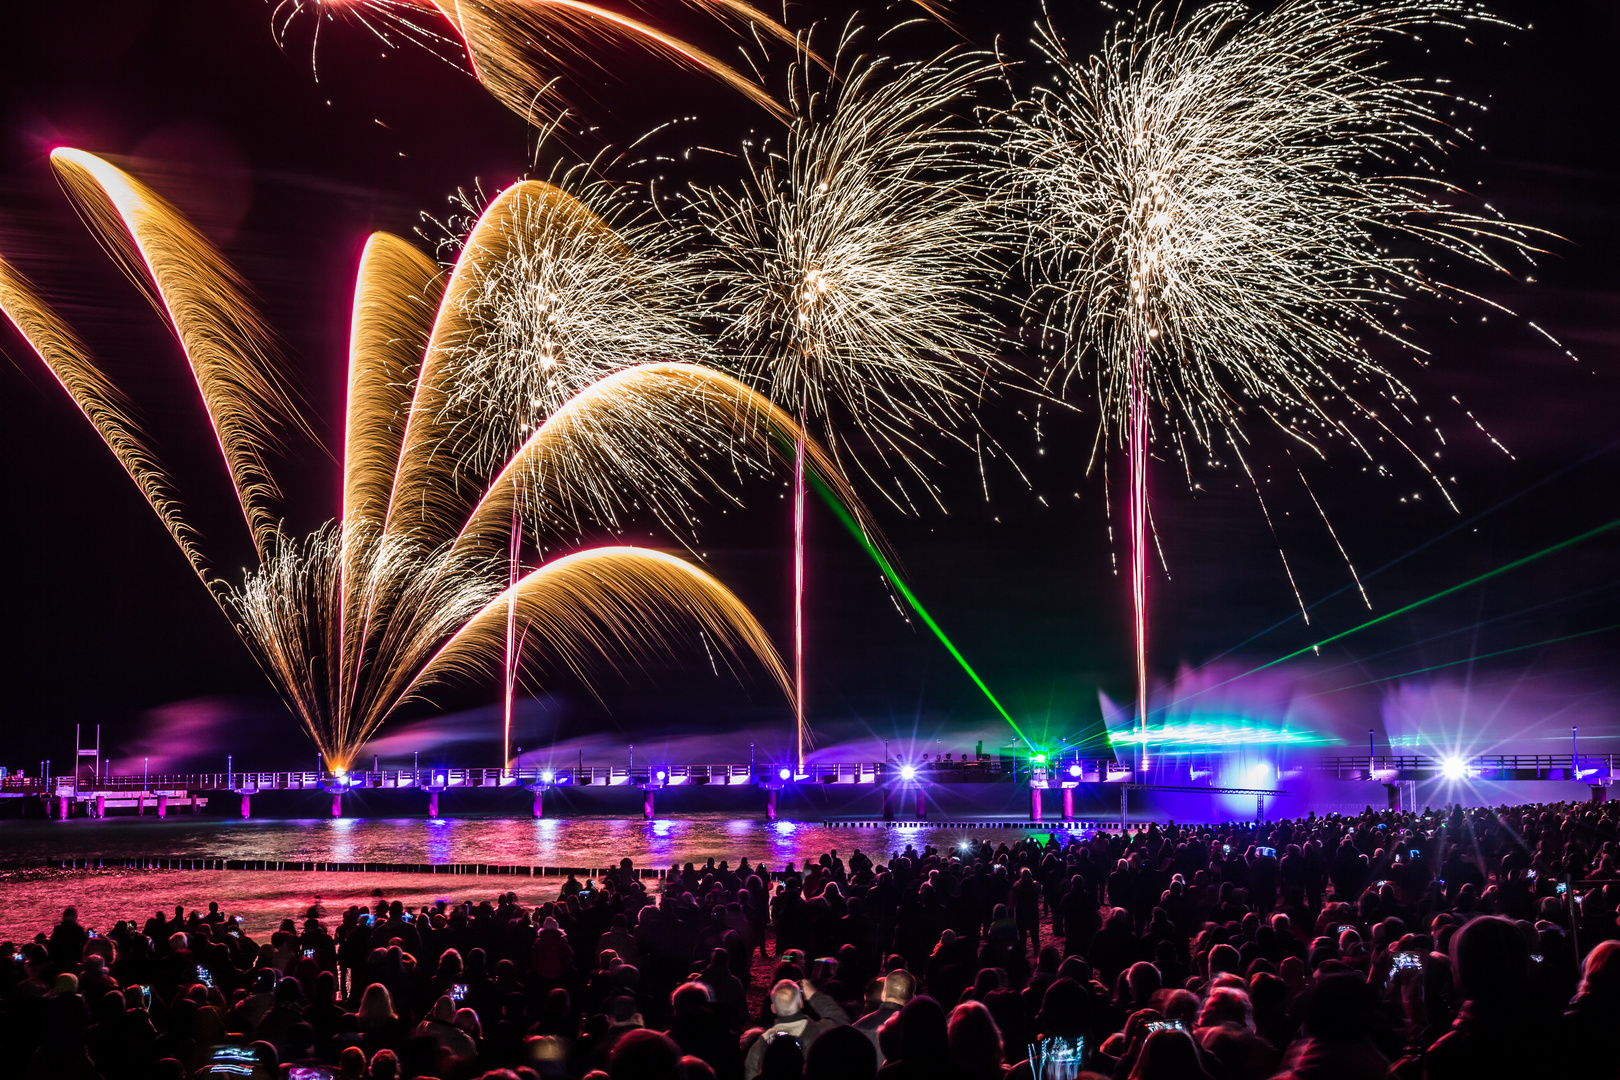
x: 103, y: 622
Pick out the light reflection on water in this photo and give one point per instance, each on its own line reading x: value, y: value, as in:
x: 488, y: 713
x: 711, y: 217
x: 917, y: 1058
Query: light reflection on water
x: 34, y: 896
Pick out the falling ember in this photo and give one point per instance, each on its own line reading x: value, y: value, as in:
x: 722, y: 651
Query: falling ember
x: 510, y: 666
x: 1138, y: 450
x: 391, y: 22
x: 798, y: 585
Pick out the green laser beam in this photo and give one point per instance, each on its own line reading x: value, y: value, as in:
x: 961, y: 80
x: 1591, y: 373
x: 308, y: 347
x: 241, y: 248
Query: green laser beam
x: 842, y: 513
x: 1486, y: 576
x: 1443, y: 593
x: 1471, y: 659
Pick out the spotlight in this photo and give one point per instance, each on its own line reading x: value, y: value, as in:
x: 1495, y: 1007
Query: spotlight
x: 547, y: 776
x: 439, y: 779
x: 908, y: 772
x: 1453, y: 768
x: 784, y: 773
x: 660, y: 774
x: 1039, y: 759
x: 1074, y: 770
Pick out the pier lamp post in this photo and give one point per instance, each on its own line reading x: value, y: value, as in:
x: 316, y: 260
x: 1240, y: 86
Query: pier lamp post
x: 546, y: 779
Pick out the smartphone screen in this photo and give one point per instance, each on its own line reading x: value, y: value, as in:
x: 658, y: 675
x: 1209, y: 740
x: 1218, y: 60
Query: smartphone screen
x: 458, y: 992
x: 1057, y: 1059
x: 1165, y: 1025
x: 1405, y: 961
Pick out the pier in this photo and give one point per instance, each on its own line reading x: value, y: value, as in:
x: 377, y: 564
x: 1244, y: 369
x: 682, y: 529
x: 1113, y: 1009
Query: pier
x: 905, y: 787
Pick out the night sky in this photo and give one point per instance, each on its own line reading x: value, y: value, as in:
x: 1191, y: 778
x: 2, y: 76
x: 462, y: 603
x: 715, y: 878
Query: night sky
x: 104, y: 623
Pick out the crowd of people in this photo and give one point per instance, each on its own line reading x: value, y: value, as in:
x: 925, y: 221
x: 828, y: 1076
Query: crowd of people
x: 1455, y: 943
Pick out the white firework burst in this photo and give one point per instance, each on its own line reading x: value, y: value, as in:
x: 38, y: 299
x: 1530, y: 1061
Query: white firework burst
x: 1244, y: 201
x: 849, y: 270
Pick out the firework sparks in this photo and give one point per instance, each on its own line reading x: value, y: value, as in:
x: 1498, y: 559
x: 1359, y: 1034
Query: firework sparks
x: 846, y: 272
x: 1223, y: 213
x: 206, y: 306
x: 569, y: 282
x: 520, y: 49
x: 391, y: 22
x: 412, y: 583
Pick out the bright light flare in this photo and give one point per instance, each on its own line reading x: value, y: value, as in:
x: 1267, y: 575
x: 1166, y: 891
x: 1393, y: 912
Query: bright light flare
x: 1454, y: 768
x: 908, y: 772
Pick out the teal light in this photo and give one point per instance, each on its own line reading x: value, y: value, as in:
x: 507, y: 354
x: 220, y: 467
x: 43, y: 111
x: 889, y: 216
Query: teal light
x: 1216, y: 731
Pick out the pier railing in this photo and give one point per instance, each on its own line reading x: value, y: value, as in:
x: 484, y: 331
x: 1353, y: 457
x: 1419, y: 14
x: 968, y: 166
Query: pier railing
x: 1394, y: 768
x: 1596, y: 769
x: 529, y: 776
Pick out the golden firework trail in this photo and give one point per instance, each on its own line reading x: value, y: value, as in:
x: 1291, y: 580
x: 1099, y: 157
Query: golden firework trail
x: 410, y: 584
x: 566, y: 282
x: 846, y: 275
x: 1222, y: 213
x: 521, y: 49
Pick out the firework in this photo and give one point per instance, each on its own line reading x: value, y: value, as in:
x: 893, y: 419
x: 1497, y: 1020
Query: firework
x: 564, y: 283
x: 520, y: 49
x: 1224, y: 212
x: 205, y: 304
x: 848, y: 271
x: 410, y: 584
x: 845, y: 274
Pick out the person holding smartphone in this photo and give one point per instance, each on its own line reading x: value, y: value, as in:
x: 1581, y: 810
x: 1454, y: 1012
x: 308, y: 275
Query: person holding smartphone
x: 799, y: 1012
x: 1063, y: 1023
